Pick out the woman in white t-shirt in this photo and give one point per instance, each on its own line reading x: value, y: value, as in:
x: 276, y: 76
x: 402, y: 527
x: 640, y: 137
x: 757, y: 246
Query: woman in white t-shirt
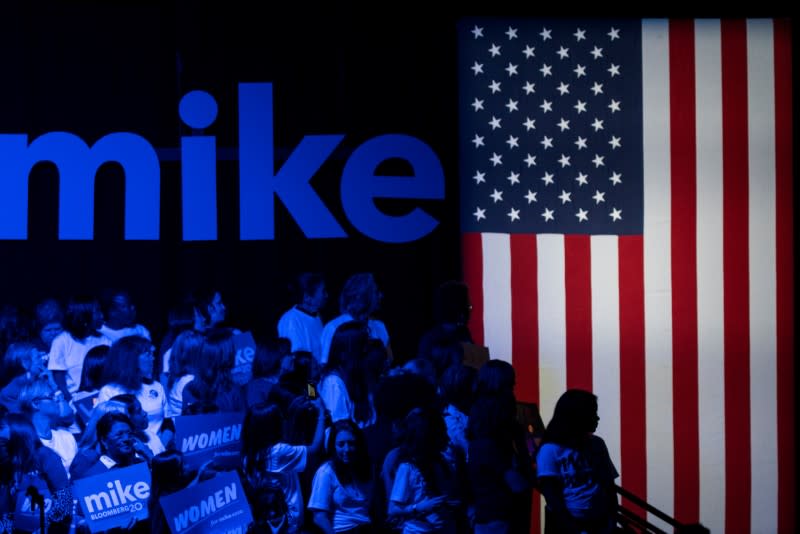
x: 185, y: 357
x: 342, y: 490
x: 129, y: 369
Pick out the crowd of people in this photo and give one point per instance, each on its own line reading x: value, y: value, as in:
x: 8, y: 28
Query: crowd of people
x: 338, y: 434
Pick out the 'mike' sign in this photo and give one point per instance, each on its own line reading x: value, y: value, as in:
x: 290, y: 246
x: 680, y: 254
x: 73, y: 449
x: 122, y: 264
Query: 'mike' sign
x: 259, y: 183
x: 215, y: 436
x: 114, y: 498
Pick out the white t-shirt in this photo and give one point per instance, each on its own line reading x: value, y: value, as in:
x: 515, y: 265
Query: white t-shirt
x: 150, y: 396
x: 67, y: 354
x: 333, y: 392
x: 303, y: 330
x: 349, y: 505
x: 409, y: 488
x: 114, y: 335
x: 175, y: 400
x: 64, y: 444
x: 377, y: 330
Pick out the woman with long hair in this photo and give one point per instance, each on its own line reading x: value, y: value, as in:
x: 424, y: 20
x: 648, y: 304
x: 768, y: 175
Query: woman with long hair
x: 576, y: 474
x: 342, y: 490
x: 185, y: 356
x: 213, y: 383
x: 268, y: 461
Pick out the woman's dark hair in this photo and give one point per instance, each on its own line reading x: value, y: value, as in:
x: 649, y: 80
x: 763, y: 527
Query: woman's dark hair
x: 301, y: 421
x: 267, y: 359
x: 92, y: 371
x: 168, y: 477
x: 495, y: 376
x: 122, y: 362
x: 305, y: 284
x: 423, y: 438
x: 360, y: 296
x: 262, y: 428
x: 458, y: 385
x: 346, y: 358
x: 83, y: 317
x: 179, y: 319
x: 217, y: 357
x: 360, y: 469
x: 574, y: 417
x: 185, y: 356
x: 23, y: 442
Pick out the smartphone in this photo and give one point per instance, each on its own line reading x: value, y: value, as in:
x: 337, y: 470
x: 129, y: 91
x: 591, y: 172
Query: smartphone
x: 312, y: 391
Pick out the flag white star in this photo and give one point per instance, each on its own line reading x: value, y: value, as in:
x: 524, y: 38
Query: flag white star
x: 597, y: 52
x: 613, y: 34
x: 513, y: 177
x: 477, y: 31
x: 477, y: 68
x: 478, y: 140
x: 530, y: 124
x: 565, y: 197
x: 563, y: 88
x: 598, y: 160
x: 564, y: 161
x: 480, y: 177
x: 529, y: 88
x: 580, y: 34
x: 598, y: 197
x: 496, y: 159
x: 597, y: 88
x: 615, y: 142
x: 512, y: 105
x: 512, y: 141
x: 614, y: 70
x: 494, y: 86
x: 513, y: 214
x: 581, y: 142
x: 582, y: 179
x: 548, y: 215
x: 494, y: 50
x: 615, y: 214
x: 580, y: 106
x: 511, y: 32
x: 579, y: 71
x: 582, y: 215
x: 614, y: 105
x: 530, y: 160
x: 531, y: 196
x: 597, y: 124
x: 563, y: 53
x: 546, y: 106
x: 477, y: 104
x: 563, y: 124
x: 616, y: 178
x: 547, y: 142
x: 545, y: 33
x: 479, y: 214
x: 497, y: 196
x: 511, y: 69
x: 529, y: 51
x: 495, y: 123
x: 546, y: 70
x: 547, y: 178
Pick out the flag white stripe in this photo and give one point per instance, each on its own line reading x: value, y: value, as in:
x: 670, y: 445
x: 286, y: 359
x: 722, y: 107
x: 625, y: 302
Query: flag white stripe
x: 657, y: 282
x: 710, y: 298
x: 605, y: 340
x: 497, y: 295
x: 763, y: 283
x: 552, y: 322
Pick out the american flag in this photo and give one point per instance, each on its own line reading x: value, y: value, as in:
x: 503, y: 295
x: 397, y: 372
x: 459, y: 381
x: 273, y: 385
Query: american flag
x: 626, y: 207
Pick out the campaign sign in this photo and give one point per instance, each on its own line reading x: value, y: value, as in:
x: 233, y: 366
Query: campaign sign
x: 114, y: 498
x: 214, y: 436
x: 217, y: 505
x: 242, y: 370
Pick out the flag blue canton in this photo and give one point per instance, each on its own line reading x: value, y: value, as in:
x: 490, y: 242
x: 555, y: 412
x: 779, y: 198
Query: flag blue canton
x: 550, y: 133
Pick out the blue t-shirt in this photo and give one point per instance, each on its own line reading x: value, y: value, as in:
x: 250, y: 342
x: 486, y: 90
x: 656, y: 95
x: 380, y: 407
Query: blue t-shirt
x: 585, y: 474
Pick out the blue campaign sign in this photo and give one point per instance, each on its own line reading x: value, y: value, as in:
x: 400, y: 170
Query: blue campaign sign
x: 216, y: 436
x: 215, y: 506
x: 115, y: 498
x: 242, y: 371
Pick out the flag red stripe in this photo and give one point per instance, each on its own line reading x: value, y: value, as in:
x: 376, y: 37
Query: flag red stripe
x: 472, y: 256
x: 633, y: 441
x: 735, y: 276
x: 524, y: 316
x: 684, y: 269
x: 785, y: 276
x: 578, y: 292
